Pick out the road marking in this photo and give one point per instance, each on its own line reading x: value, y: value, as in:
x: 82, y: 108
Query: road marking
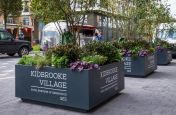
x: 6, y: 78
x: 3, y: 66
x: 8, y: 71
x: 11, y: 61
x: 3, y: 74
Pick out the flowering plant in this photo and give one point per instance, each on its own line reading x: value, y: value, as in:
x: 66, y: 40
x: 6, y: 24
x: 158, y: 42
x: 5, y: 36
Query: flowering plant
x: 80, y: 65
x: 161, y: 45
x: 75, y: 57
x: 134, y: 48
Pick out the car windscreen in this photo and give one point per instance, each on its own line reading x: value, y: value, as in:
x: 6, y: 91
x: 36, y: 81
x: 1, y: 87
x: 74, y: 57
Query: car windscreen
x: 167, y: 34
x: 172, y: 35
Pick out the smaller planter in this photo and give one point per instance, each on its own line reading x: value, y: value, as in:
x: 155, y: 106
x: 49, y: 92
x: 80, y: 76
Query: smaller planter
x: 140, y: 66
x: 164, y: 57
x: 82, y: 90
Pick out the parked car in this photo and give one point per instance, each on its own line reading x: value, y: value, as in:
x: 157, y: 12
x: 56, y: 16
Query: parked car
x: 10, y: 46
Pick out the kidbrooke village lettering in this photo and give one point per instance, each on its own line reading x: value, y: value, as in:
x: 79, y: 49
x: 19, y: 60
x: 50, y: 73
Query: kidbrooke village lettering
x: 49, y: 75
x: 109, y: 72
x: 50, y: 79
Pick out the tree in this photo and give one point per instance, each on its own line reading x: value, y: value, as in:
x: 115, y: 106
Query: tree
x: 72, y: 11
x: 146, y: 16
x: 10, y: 7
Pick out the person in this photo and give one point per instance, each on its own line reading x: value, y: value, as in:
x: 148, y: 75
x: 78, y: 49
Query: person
x: 46, y: 46
x: 21, y: 35
x: 96, y: 37
x: 100, y: 36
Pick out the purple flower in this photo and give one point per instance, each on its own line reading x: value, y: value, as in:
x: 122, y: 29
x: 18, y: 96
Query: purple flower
x: 80, y: 66
x: 96, y: 66
x: 159, y: 48
x: 73, y: 67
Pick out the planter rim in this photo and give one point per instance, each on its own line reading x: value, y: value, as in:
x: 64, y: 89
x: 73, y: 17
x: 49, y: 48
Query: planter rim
x: 66, y: 68
x: 143, y: 56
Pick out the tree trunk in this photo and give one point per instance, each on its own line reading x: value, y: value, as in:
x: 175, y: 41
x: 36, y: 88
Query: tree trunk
x: 5, y: 21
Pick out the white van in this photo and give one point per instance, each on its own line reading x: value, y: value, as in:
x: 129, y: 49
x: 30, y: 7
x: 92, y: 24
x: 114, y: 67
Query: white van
x: 51, y: 35
x: 167, y: 32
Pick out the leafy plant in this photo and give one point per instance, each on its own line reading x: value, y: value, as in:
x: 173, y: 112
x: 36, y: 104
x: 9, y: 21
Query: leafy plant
x: 48, y: 57
x: 161, y: 45
x: 37, y: 60
x: 102, y: 48
x: 97, y: 59
x: 72, y: 51
x: 41, y: 62
x: 27, y: 60
x: 134, y: 48
x: 36, y: 47
x: 60, y: 62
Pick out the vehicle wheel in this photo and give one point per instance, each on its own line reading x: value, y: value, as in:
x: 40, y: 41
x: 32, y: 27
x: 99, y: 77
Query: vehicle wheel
x: 11, y: 54
x: 23, y: 51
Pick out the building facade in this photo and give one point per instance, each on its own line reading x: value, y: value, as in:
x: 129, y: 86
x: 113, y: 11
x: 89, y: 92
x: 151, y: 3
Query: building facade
x: 110, y: 26
x: 23, y: 23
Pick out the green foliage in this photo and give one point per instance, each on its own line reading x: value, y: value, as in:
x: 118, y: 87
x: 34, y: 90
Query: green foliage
x: 37, y: 60
x: 134, y: 48
x: 71, y: 51
x: 60, y: 62
x: 162, y: 43
x: 41, y: 62
x: 102, y: 48
x: 48, y: 57
x: 132, y: 44
x: 96, y: 59
x: 28, y: 60
x: 10, y: 7
x: 36, y: 47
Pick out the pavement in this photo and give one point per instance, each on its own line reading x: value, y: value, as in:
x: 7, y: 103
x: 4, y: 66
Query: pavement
x: 154, y: 95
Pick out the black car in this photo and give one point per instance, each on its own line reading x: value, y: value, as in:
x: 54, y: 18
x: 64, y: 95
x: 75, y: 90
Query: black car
x: 11, y: 46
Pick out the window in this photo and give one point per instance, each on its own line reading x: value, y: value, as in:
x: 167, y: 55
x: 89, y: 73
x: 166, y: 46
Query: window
x: 10, y: 20
x: 26, y: 20
x: 5, y: 36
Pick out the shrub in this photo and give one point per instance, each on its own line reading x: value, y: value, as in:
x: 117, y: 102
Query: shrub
x: 97, y: 59
x: 134, y: 48
x: 27, y: 60
x: 36, y: 47
x: 160, y: 45
x: 60, y: 62
x: 37, y: 60
x: 71, y: 51
x: 104, y: 49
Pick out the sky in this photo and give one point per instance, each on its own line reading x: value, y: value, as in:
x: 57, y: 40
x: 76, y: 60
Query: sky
x: 172, y: 7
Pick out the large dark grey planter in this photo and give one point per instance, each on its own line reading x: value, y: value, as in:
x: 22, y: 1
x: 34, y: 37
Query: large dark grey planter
x: 82, y: 90
x: 140, y: 66
x: 164, y: 57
